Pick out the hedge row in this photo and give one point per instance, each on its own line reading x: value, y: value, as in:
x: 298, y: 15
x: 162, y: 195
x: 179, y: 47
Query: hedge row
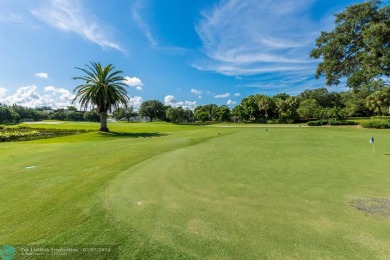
x: 331, y: 122
x: 9, y: 136
x: 376, y: 124
x: 13, y: 127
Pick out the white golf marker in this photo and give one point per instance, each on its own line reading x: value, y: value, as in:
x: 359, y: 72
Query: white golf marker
x: 373, y: 147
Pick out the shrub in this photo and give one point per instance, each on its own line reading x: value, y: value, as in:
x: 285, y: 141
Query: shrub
x: 316, y: 123
x: 381, y: 117
x: 376, y: 124
x: 330, y: 122
x: 341, y: 122
x: 16, y: 127
x: 8, y: 136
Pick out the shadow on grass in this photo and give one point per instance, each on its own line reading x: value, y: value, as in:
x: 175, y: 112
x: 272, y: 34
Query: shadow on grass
x: 130, y: 135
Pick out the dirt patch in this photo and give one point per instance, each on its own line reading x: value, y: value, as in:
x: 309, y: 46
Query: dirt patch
x: 374, y: 206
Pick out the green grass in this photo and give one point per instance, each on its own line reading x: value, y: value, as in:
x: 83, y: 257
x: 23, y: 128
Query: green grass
x: 159, y: 190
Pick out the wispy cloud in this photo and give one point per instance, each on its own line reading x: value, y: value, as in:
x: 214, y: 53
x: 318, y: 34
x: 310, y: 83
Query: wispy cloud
x: 11, y: 17
x: 136, y: 13
x: 43, y: 75
x: 70, y: 16
x: 256, y: 36
x: 139, y: 14
x: 196, y: 92
x: 222, y: 95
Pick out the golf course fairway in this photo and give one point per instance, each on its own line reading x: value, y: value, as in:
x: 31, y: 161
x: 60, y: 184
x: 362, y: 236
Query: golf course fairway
x: 158, y: 190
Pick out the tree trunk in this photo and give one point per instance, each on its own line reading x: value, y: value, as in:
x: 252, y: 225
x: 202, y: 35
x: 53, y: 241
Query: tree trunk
x: 379, y: 110
x: 103, y: 122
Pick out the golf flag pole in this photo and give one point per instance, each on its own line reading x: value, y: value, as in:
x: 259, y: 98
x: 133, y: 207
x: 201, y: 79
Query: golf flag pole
x: 373, y: 147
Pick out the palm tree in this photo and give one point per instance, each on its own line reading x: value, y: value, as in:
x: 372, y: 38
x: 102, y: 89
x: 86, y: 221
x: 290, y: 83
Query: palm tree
x: 378, y: 99
x: 103, y: 89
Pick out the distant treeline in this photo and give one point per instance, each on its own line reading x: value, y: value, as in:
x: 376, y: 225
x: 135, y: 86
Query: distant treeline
x: 282, y: 108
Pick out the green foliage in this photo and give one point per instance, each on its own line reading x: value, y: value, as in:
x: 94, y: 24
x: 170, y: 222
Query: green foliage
x: 91, y: 116
x: 103, y: 88
x: 381, y: 117
x: 8, y: 115
x: 258, y: 108
x: 341, y: 122
x: 287, y: 108
x: 380, y: 124
x: 322, y: 96
x: 213, y: 113
x: 223, y: 113
x: 179, y: 115
x: 358, y: 47
x: 14, y: 127
x: 202, y: 116
x: 238, y: 114
x: 14, y: 135
x: 308, y: 108
x: 124, y: 112
x: 316, y: 123
x: 207, y: 112
x: 152, y: 109
x: 330, y: 122
x: 379, y: 100
x: 354, y: 102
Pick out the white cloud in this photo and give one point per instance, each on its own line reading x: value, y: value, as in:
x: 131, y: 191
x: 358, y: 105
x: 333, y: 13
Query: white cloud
x: 196, y: 92
x: 42, y: 75
x: 135, y: 102
x: 69, y: 16
x: 30, y: 96
x: 236, y: 94
x: 133, y: 82
x: 222, y: 95
x: 3, y: 92
x: 257, y: 36
x: 61, y: 93
x: 170, y: 100
x: 25, y: 96
x: 231, y: 102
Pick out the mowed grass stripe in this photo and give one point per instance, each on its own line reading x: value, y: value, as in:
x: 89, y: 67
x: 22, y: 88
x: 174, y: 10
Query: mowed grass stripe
x: 253, y: 194
x: 62, y: 190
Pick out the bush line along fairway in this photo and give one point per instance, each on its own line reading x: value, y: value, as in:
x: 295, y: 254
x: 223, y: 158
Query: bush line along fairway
x: 166, y: 191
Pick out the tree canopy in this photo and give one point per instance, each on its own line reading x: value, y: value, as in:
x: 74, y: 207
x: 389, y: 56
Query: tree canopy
x: 152, y: 109
x: 358, y: 48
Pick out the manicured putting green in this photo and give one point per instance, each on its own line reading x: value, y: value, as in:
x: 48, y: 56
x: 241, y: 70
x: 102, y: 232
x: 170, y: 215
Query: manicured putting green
x: 165, y: 191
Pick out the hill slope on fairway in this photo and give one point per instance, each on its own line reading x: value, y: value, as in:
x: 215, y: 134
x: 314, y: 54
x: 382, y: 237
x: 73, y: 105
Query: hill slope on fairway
x: 165, y: 191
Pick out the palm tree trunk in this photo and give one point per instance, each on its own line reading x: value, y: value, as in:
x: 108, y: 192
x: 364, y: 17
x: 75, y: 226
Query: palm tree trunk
x: 103, y: 122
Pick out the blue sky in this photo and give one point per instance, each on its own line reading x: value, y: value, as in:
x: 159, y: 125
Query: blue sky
x: 181, y: 52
